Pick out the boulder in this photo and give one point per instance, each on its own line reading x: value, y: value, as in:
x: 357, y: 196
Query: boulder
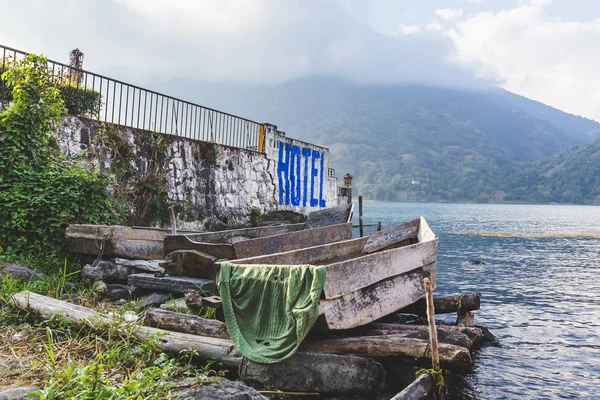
x: 154, y: 299
x: 20, y: 393
x: 107, y: 271
x: 21, y: 272
x: 118, y: 292
x: 141, y: 265
x: 222, y: 389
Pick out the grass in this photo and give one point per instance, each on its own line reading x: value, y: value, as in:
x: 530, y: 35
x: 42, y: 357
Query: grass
x: 79, y: 361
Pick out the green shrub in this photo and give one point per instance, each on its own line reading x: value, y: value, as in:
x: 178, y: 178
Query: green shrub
x: 41, y: 191
x: 80, y: 101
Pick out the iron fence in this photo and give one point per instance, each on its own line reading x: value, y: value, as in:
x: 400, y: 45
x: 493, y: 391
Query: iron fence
x: 116, y: 102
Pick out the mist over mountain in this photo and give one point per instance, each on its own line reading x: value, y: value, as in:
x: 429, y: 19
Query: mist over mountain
x: 425, y: 143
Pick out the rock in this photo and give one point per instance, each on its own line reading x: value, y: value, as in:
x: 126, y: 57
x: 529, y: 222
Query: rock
x: 17, y: 337
x: 71, y: 298
x: 100, y: 289
x: 153, y: 299
x: 106, y: 270
x: 116, y: 292
x: 177, y: 305
x: 221, y: 389
x: 130, y: 316
x: 19, y: 393
x: 21, y: 272
x: 11, y: 367
x: 476, y: 262
x: 141, y: 265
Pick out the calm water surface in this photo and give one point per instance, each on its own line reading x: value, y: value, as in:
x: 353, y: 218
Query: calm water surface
x: 540, y: 287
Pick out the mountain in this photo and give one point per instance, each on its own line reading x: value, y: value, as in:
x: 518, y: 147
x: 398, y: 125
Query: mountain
x: 413, y: 142
x: 569, y: 177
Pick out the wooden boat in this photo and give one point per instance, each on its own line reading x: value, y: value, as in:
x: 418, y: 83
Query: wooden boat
x: 147, y: 243
x: 115, y: 241
x: 323, y: 226
x: 369, y: 277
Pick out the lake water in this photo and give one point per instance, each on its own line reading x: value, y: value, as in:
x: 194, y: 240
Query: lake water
x: 540, y: 291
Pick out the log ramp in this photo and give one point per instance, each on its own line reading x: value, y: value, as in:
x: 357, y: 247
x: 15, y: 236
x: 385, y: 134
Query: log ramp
x: 328, y: 363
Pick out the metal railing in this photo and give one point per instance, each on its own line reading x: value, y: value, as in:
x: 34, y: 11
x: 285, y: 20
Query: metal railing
x: 129, y: 105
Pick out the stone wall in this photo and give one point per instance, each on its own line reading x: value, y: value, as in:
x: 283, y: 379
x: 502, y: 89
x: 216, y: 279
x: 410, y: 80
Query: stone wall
x: 218, y: 183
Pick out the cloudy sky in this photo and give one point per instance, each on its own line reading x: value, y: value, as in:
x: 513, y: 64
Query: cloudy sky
x: 546, y: 50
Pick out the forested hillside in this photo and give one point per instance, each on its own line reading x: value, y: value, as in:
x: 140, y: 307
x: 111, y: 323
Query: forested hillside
x: 422, y: 143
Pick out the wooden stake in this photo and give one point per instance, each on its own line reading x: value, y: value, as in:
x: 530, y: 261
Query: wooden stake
x: 173, y: 221
x: 435, y: 357
x: 378, y: 226
x: 360, y: 216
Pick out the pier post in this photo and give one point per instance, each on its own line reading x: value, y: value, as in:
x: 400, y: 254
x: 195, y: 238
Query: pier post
x: 360, y: 216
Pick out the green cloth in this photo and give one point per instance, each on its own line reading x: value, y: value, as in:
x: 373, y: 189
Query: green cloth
x: 269, y: 309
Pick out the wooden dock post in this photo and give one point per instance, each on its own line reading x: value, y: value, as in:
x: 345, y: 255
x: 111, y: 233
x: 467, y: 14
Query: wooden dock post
x: 360, y: 216
x: 378, y: 226
x: 435, y: 355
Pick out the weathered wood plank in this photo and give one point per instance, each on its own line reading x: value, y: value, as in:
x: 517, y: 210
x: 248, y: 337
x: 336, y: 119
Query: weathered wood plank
x: 390, y: 236
x: 116, y: 241
x: 174, y: 284
x: 233, y: 235
x: 446, y: 304
x: 318, y: 255
x: 191, y: 263
x: 192, y: 324
x: 373, y: 302
x: 183, y: 242
x: 330, y: 216
x: 322, y: 373
x: 420, y: 389
x: 293, y: 240
x: 416, y: 351
x: 357, y: 273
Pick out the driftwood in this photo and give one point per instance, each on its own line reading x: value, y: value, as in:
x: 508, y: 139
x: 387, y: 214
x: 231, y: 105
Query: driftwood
x: 446, y: 305
x: 420, y: 389
x: 302, y: 372
x: 416, y: 351
x: 174, y: 284
x: 173, y: 321
x: 324, y: 373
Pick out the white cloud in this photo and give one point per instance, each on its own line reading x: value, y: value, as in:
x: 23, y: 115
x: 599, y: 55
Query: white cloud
x: 546, y: 59
x: 449, y: 14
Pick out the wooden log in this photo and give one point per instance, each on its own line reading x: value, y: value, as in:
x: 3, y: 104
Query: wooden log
x: 47, y: 307
x: 446, y: 304
x: 191, y: 263
x: 293, y: 240
x: 447, y: 336
x: 302, y: 372
x: 323, y: 373
x: 416, y: 351
x: 420, y: 389
x: 174, y: 284
x: 192, y: 324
